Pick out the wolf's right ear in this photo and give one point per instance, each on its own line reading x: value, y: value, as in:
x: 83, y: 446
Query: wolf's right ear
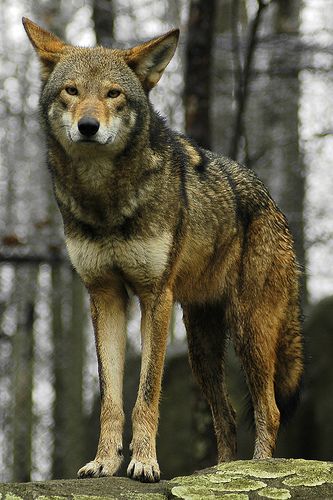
x: 48, y: 46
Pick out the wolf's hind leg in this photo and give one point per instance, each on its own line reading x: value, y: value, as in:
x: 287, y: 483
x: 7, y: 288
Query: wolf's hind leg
x: 109, y: 319
x: 206, y: 336
x: 256, y: 347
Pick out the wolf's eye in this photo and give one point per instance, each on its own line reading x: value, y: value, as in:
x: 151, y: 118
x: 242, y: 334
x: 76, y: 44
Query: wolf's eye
x: 71, y: 90
x: 114, y: 93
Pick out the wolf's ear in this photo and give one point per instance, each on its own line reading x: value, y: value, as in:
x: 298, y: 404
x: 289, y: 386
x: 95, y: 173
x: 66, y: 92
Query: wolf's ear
x: 48, y: 46
x: 150, y: 59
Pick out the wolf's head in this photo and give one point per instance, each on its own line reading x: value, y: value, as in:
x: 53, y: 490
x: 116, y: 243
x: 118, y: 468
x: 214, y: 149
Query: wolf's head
x: 97, y: 97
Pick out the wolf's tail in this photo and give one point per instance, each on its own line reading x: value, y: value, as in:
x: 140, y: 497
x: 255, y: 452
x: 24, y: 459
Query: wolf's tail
x: 289, y: 369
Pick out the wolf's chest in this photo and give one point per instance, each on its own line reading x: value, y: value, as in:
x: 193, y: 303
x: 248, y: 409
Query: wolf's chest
x: 141, y: 259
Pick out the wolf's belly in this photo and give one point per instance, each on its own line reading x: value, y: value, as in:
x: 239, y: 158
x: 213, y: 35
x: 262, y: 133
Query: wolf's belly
x: 142, y: 260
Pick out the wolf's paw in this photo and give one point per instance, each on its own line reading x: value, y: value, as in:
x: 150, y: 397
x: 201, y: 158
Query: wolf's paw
x: 100, y: 468
x: 146, y: 472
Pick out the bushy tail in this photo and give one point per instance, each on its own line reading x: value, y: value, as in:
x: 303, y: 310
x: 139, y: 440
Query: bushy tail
x: 289, y: 369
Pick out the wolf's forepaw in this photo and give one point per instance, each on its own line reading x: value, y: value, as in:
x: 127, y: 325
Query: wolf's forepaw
x: 146, y: 472
x: 100, y: 468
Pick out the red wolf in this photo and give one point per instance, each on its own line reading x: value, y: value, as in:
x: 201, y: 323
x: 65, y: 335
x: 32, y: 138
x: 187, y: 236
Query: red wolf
x: 144, y: 208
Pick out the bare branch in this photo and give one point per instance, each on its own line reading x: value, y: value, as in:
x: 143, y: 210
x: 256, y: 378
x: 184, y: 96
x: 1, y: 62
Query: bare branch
x: 243, y: 84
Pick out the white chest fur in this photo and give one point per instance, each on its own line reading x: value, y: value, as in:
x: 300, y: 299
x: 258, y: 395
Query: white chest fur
x: 142, y: 259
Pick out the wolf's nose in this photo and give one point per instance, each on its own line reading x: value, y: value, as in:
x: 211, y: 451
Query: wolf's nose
x: 88, y: 126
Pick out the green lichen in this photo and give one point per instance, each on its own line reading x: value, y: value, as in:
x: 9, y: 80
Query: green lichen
x: 91, y: 497
x: 212, y: 486
x: 190, y: 479
x: 49, y: 497
x: 309, y: 479
x: 235, y: 496
x: 243, y: 476
x: 275, y: 493
x: 214, y: 478
x: 267, y: 469
x: 142, y: 496
x: 301, y: 472
x: 301, y: 466
x: 11, y: 496
x: 242, y: 484
x: 197, y: 493
x: 230, y: 481
x: 310, y: 473
x: 128, y: 495
x: 270, y: 469
x: 192, y: 493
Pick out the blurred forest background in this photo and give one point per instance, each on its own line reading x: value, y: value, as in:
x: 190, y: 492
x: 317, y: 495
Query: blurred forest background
x: 252, y: 79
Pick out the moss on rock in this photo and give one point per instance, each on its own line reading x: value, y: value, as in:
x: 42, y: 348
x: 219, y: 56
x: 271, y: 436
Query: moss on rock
x: 276, y: 493
x: 281, y: 479
x: 278, y: 479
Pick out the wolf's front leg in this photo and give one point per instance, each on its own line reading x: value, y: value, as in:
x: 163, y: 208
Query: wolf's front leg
x: 108, y: 310
x: 154, y: 332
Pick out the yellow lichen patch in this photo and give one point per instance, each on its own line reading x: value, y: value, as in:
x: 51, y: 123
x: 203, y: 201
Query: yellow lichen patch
x: 90, y: 497
x: 275, y: 493
x: 11, y: 496
x: 242, y: 484
x: 215, y: 478
x: 309, y: 479
x: 201, y: 493
x: 310, y: 473
x: 50, y: 497
x: 235, y: 496
x: 268, y: 469
x: 128, y: 495
x: 240, y: 477
x: 301, y: 466
x: 275, y: 468
x: 208, y: 486
x: 192, y: 493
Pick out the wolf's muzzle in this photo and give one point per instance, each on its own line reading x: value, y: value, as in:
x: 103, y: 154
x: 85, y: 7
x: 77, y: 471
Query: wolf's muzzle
x: 88, y: 126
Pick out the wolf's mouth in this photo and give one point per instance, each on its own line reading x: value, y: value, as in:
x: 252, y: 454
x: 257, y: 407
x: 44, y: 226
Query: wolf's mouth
x: 88, y: 141
x: 85, y: 140
x: 81, y: 139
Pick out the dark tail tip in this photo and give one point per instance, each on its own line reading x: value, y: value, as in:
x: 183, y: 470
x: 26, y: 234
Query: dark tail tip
x: 288, y: 404
x: 247, y: 412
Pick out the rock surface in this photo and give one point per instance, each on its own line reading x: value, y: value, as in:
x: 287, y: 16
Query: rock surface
x: 241, y: 480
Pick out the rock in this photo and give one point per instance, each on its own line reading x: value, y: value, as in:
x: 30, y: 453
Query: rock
x: 278, y: 479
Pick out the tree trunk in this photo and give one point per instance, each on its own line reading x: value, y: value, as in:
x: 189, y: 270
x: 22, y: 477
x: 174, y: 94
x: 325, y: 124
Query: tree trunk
x: 293, y: 193
x: 272, y: 124
x: 103, y: 16
x: 68, y: 367
x: 198, y: 71
x: 23, y: 353
x: 197, y: 99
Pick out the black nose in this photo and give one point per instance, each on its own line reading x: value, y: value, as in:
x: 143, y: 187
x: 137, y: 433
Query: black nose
x: 88, y: 126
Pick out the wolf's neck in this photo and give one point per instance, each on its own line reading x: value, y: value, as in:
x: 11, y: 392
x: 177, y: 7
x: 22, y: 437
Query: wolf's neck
x: 103, y: 191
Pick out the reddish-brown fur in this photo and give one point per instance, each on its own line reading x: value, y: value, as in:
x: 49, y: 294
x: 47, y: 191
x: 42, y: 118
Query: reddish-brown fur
x: 146, y: 209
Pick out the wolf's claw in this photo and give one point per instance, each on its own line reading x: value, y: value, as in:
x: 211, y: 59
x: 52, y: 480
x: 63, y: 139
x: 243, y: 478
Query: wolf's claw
x: 100, y: 468
x: 146, y: 472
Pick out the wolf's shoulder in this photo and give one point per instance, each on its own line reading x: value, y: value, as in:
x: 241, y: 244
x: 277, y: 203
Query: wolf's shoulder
x: 209, y: 164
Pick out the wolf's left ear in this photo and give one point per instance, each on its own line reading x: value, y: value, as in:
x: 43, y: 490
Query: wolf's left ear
x: 48, y: 46
x: 150, y: 59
